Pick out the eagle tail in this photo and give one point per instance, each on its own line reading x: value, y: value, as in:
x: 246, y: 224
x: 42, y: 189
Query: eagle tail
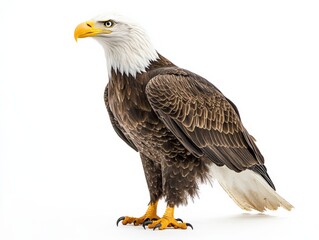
x: 249, y: 190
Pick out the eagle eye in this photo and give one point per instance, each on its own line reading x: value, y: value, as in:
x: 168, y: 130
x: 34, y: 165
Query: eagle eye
x: 108, y: 23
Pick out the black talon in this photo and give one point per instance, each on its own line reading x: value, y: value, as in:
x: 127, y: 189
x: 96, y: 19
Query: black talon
x: 154, y: 219
x: 178, y: 219
x: 145, y: 223
x: 118, y: 220
x: 157, y: 226
x: 189, y: 225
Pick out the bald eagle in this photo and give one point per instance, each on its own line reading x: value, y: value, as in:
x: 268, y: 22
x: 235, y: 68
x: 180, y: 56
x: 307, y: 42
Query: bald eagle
x: 185, y: 130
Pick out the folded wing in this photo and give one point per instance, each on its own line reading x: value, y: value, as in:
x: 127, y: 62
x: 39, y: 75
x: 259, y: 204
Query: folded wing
x: 204, y: 120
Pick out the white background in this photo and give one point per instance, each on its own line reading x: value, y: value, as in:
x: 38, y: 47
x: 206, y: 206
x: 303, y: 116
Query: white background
x: 64, y: 174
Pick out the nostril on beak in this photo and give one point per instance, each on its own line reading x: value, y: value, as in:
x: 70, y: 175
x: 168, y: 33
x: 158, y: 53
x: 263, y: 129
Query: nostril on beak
x: 89, y: 25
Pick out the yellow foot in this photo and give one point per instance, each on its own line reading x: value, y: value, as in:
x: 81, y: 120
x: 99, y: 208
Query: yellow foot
x: 150, y: 215
x: 168, y: 220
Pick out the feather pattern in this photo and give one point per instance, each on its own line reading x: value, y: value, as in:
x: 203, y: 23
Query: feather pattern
x: 198, y: 113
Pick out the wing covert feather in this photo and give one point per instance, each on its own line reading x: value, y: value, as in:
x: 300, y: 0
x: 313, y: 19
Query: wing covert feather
x: 191, y: 106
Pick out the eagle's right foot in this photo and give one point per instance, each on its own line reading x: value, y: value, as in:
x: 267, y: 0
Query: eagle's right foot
x: 150, y: 215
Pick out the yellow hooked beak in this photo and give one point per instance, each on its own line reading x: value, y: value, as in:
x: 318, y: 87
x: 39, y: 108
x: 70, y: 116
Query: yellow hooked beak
x: 87, y: 29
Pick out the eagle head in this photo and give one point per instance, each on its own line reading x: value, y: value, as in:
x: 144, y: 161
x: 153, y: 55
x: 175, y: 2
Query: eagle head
x: 127, y: 47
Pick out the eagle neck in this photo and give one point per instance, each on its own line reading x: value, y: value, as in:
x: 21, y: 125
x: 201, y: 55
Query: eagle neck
x: 154, y: 68
x: 128, y: 55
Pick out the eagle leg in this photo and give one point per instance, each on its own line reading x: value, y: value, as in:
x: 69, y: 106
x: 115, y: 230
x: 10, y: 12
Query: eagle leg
x: 168, y: 220
x: 149, y: 215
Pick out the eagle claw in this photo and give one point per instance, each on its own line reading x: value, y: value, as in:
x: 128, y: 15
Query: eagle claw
x: 189, y: 225
x: 178, y: 219
x: 145, y: 223
x: 118, y: 220
x: 157, y: 226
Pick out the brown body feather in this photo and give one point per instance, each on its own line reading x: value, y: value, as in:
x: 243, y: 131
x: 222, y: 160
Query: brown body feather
x: 181, y: 124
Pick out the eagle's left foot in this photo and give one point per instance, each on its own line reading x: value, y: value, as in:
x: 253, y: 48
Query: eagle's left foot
x: 168, y: 220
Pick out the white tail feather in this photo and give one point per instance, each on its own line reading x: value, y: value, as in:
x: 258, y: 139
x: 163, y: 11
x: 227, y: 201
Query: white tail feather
x: 249, y: 190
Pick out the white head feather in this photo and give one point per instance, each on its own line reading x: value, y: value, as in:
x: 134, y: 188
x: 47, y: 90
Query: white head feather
x: 128, y: 49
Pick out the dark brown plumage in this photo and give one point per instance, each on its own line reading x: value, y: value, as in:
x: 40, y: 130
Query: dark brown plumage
x: 163, y: 156
x: 177, y: 121
x: 184, y: 128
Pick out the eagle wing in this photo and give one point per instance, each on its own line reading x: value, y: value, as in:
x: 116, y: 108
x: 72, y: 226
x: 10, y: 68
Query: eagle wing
x: 204, y: 120
x: 116, y: 126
